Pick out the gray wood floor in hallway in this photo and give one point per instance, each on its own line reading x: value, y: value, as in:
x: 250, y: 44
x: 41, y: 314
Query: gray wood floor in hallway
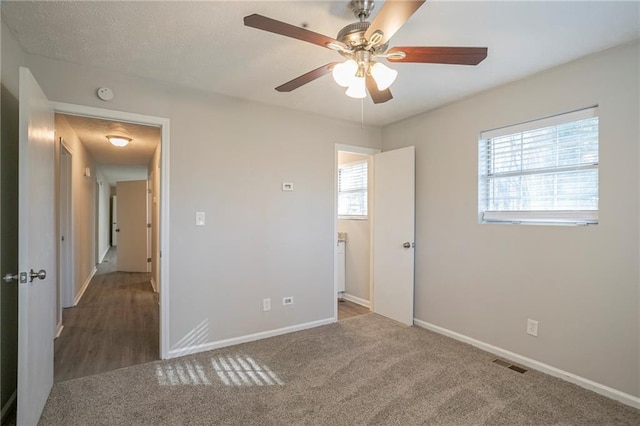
x: 114, y: 325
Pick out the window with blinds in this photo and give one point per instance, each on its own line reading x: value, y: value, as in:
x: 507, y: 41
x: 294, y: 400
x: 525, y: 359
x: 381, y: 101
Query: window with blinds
x: 543, y: 171
x: 352, y: 190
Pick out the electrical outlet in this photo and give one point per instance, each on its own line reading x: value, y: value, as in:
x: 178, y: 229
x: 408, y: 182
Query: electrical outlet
x: 287, y: 300
x: 266, y: 305
x: 532, y: 327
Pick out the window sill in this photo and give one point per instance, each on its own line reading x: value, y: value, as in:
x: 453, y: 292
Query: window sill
x: 353, y: 217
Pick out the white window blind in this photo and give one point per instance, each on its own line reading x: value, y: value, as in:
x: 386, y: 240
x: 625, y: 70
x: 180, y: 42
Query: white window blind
x: 352, y: 190
x: 543, y: 171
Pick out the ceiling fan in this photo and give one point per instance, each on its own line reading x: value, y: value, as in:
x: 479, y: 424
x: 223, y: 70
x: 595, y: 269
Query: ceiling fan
x: 364, y: 44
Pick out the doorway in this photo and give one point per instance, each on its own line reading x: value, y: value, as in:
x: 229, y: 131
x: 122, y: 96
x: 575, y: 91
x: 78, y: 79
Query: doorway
x: 354, y: 201
x: 100, y: 249
x: 387, y: 217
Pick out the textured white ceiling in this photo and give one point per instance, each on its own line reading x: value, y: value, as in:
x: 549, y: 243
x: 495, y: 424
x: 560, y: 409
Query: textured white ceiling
x: 205, y: 45
x: 117, y: 163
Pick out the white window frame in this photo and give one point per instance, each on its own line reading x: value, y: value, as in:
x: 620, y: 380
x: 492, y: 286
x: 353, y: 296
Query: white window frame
x: 539, y: 217
x: 366, y: 191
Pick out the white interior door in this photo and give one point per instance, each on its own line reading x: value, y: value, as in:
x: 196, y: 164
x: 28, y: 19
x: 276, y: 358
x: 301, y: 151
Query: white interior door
x: 36, y: 250
x: 114, y: 220
x: 393, y: 234
x: 132, y: 225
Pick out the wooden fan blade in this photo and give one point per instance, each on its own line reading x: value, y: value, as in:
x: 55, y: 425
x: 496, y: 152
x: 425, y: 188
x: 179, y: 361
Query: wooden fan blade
x: 377, y: 96
x: 392, y: 16
x: 441, y: 55
x: 267, y: 24
x: 306, y: 78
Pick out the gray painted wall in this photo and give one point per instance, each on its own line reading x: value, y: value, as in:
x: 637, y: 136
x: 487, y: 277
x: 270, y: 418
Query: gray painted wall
x: 228, y: 158
x: 580, y: 283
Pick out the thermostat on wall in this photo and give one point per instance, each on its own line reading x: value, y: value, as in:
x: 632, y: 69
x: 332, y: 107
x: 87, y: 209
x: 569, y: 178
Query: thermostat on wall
x: 287, y: 186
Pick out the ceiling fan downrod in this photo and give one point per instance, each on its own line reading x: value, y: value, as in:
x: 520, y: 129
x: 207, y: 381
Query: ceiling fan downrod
x: 361, y: 8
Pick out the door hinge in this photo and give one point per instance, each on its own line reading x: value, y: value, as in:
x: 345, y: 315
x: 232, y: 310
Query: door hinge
x: 148, y: 260
x: 148, y: 225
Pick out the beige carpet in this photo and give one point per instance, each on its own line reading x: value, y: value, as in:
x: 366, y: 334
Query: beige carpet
x: 364, y: 370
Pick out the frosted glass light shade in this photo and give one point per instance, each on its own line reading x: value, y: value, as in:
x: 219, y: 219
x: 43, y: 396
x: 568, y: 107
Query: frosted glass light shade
x: 345, y: 72
x: 383, y: 75
x: 357, y: 88
x: 119, y: 140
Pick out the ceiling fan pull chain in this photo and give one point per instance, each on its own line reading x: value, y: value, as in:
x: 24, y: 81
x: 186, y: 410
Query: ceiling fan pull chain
x: 362, y: 113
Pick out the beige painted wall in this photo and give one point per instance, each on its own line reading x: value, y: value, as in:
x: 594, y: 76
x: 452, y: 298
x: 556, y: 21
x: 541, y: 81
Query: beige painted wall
x: 228, y: 158
x: 154, y: 175
x: 358, y: 247
x: 83, y: 204
x: 580, y: 283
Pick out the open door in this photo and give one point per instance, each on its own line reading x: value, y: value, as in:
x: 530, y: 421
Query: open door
x: 132, y: 225
x: 36, y: 251
x: 393, y: 234
x: 114, y: 220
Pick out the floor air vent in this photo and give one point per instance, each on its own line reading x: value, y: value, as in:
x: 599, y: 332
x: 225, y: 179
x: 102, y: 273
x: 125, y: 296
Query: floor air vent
x: 509, y: 366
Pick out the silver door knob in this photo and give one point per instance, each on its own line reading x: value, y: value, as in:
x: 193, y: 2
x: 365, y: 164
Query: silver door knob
x: 407, y: 245
x: 42, y: 274
x: 10, y: 277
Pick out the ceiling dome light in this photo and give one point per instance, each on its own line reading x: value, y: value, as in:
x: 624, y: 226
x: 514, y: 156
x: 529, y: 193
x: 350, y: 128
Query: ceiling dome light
x: 345, y: 72
x: 119, y: 140
x: 357, y: 89
x: 383, y: 75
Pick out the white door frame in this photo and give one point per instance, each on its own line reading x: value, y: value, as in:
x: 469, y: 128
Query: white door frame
x: 163, y: 123
x: 66, y: 272
x: 355, y: 150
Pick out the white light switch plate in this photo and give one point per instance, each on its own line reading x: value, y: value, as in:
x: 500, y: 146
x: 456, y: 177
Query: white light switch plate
x: 199, y: 218
x: 287, y: 186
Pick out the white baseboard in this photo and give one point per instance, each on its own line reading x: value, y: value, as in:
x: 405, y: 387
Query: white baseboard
x: 601, y: 389
x: 154, y: 285
x: 59, y: 329
x: 173, y: 353
x: 85, y: 284
x: 6, y: 407
x: 354, y: 299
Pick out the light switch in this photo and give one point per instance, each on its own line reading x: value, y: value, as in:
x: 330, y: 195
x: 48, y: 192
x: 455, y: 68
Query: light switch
x: 199, y: 218
x: 287, y: 186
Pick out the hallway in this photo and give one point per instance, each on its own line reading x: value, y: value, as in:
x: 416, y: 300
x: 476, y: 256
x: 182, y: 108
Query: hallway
x: 114, y: 325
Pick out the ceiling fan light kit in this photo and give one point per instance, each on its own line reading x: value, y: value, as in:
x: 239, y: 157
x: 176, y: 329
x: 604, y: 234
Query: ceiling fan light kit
x: 364, y: 44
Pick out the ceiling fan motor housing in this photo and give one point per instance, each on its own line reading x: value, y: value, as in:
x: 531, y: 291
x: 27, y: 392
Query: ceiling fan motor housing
x: 353, y: 36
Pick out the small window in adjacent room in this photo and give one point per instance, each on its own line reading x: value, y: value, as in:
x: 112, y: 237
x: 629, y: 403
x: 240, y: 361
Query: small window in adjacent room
x: 543, y: 171
x: 352, y: 190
